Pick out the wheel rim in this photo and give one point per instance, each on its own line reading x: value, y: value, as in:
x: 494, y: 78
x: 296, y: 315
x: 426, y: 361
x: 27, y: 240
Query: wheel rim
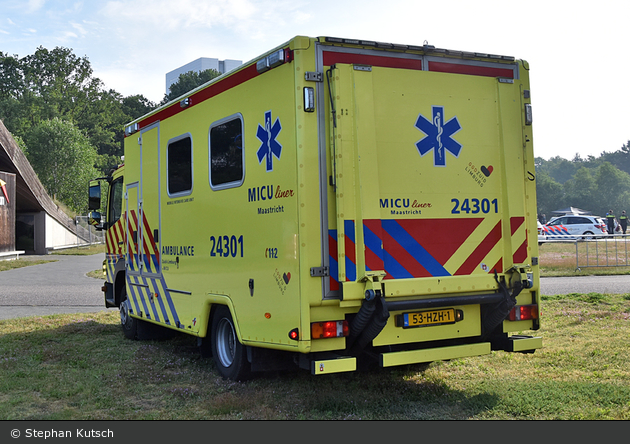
x: 124, y: 312
x: 226, y: 342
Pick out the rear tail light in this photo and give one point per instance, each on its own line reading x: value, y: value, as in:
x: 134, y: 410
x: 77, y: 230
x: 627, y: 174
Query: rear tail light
x: 330, y: 329
x: 523, y: 312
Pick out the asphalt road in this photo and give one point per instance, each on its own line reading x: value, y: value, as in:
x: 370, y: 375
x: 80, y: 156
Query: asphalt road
x: 63, y: 287
x: 585, y: 284
x: 52, y: 288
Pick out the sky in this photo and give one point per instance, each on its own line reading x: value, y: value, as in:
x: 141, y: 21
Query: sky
x: 578, y: 51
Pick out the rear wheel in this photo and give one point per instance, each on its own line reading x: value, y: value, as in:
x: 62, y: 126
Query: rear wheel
x: 587, y: 235
x: 229, y: 355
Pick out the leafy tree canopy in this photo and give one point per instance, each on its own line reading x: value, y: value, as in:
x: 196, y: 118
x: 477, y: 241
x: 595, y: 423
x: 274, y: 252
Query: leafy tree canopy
x: 189, y: 81
x: 64, y: 119
x: 56, y: 83
x: 63, y: 158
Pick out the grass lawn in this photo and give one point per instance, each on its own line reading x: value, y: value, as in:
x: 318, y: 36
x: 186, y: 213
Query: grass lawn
x: 79, y: 367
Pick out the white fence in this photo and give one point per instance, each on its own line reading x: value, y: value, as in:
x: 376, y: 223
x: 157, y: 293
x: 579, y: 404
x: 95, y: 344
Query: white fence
x: 86, y: 233
x: 604, y: 251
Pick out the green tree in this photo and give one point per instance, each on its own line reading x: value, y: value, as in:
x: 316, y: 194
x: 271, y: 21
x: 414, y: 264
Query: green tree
x: 187, y: 82
x: 557, y: 168
x: 137, y: 106
x: 56, y: 83
x: 63, y: 158
x: 581, y: 190
x: 549, y: 194
x: 612, y: 185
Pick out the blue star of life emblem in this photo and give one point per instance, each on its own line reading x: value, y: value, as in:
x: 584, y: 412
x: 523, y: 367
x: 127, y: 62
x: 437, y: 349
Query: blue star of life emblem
x: 438, y: 136
x: 270, y: 146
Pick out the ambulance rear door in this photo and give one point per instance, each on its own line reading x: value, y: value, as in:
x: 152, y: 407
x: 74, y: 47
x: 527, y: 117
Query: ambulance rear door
x: 419, y: 164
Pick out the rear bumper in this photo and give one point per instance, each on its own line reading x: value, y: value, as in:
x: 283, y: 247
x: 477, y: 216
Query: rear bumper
x: 518, y: 343
x: 434, y: 354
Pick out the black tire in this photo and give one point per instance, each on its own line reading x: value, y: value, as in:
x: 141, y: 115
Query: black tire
x: 588, y: 235
x: 229, y: 355
x: 129, y: 324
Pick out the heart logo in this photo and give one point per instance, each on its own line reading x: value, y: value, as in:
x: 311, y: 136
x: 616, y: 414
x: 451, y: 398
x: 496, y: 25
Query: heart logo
x: 487, y: 170
x: 286, y: 277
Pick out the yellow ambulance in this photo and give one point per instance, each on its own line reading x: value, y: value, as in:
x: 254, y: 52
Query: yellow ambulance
x: 331, y: 204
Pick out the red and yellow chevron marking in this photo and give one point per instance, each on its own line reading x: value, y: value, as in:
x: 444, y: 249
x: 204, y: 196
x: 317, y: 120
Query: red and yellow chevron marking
x: 114, y: 244
x: 151, y: 254
x: 519, y: 240
x: 435, y: 247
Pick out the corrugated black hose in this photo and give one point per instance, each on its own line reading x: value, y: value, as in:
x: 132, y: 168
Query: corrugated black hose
x: 494, y: 314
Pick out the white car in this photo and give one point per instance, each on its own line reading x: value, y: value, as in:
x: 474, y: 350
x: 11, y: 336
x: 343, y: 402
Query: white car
x: 573, y: 227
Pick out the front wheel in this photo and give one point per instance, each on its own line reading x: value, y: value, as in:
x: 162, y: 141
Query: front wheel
x: 129, y: 324
x: 229, y: 355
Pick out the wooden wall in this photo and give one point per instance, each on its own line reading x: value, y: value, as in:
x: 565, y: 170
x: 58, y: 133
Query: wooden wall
x: 7, y: 212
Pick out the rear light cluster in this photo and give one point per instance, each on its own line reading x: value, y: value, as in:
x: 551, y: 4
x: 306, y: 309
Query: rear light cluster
x: 330, y: 329
x: 523, y: 312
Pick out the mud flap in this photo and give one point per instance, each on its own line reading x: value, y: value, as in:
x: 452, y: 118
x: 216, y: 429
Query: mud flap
x: 108, y: 290
x: 492, y: 315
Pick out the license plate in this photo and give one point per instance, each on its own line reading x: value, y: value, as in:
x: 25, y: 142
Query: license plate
x: 429, y: 317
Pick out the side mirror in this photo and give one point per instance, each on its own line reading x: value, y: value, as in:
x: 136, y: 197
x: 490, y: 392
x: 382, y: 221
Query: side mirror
x: 94, y: 200
x: 94, y: 218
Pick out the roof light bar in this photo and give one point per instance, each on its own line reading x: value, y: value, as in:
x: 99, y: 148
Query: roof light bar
x: 133, y: 128
x: 262, y: 65
x: 274, y: 59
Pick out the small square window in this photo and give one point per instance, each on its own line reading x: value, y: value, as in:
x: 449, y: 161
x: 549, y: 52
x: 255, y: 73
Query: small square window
x: 179, y: 166
x: 226, y: 153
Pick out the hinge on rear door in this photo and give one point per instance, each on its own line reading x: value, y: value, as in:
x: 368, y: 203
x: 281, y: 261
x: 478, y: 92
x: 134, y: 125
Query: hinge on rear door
x: 319, y: 272
x: 311, y: 76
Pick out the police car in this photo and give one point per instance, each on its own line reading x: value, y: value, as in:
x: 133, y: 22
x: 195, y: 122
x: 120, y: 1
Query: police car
x: 573, y: 226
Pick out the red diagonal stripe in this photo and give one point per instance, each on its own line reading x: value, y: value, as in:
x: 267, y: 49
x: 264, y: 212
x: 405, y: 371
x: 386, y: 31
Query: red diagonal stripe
x: 520, y: 255
x: 333, y: 252
x: 133, y: 222
x: 151, y: 240
x: 372, y: 260
x: 481, y: 251
x: 350, y: 249
x: 109, y: 240
x: 515, y: 223
x: 118, y: 236
x: 498, y: 267
x: 402, y: 256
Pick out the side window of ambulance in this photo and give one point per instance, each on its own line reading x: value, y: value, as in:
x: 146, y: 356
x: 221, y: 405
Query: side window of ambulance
x: 115, y: 201
x: 179, y: 166
x: 226, y: 157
